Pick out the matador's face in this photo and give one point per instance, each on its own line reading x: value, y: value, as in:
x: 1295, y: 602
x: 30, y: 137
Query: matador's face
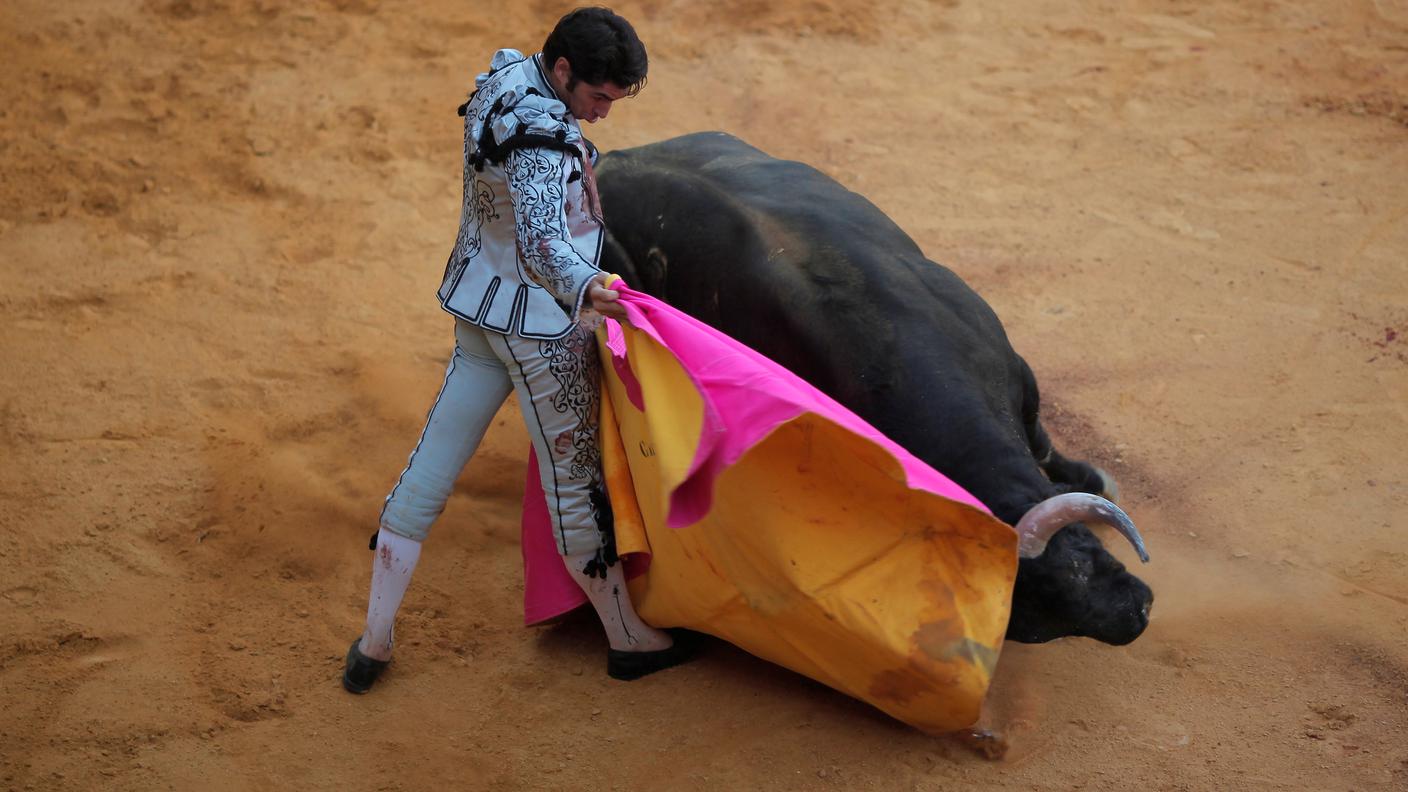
x: 586, y: 102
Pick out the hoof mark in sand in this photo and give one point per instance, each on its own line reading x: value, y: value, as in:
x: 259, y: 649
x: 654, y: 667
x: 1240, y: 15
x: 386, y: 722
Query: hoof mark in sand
x: 106, y: 651
x: 21, y: 595
x: 85, y: 650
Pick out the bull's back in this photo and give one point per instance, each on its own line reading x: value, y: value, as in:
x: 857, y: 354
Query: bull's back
x: 793, y: 196
x: 788, y: 261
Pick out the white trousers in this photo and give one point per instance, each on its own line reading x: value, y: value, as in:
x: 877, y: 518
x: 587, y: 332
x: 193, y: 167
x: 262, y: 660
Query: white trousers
x: 558, y: 385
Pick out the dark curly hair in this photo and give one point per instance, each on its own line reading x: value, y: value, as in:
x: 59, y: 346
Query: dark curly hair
x: 600, y: 46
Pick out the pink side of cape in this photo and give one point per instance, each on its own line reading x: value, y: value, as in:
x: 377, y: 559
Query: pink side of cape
x: 746, y: 396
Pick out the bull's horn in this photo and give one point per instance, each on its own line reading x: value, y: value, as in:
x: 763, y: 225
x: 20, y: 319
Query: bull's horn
x: 1043, y: 520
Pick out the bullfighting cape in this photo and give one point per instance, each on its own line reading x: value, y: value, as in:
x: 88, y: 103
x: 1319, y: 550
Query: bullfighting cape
x: 754, y: 508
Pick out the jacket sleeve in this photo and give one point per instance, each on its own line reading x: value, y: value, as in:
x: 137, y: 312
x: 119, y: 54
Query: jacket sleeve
x: 537, y: 188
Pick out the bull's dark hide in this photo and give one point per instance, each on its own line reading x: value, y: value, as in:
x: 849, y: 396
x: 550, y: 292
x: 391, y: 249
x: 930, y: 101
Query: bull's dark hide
x: 786, y: 260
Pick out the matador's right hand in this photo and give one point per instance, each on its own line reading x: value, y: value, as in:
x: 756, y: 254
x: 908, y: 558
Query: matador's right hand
x: 603, y: 300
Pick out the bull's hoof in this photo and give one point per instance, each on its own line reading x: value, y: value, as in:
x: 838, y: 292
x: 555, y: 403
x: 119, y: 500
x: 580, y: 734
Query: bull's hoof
x: 984, y: 742
x: 1109, y: 488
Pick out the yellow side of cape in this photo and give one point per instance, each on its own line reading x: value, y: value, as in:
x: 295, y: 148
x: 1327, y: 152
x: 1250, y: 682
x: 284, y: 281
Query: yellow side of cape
x: 816, y: 555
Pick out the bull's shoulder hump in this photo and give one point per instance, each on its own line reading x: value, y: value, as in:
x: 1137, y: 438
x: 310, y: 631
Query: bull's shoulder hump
x: 699, y: 178
x: 701, y: 155
x: 693, y: 151
x: 793, y: 193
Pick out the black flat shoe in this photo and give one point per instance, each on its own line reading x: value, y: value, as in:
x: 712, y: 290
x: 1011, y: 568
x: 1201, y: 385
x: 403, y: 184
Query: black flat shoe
x: 361, y: 671
x: 628, y: 666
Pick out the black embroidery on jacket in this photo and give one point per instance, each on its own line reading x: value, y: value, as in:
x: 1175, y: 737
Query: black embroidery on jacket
x: 536, y: 185
x: 479, y: 209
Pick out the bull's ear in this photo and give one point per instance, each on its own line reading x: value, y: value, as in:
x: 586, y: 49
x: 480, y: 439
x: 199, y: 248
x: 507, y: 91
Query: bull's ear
x: 655, y: 271
x: 614, y: 258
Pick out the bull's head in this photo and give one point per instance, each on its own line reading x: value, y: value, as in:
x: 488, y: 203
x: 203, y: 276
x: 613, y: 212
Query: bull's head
x: 1068, y: 583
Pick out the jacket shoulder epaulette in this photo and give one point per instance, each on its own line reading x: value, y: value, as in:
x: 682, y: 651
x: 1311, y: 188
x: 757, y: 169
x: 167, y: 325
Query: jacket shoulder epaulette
x: 522, y: 117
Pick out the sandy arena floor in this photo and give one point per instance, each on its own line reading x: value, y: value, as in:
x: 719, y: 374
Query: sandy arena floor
x: 222, y: 223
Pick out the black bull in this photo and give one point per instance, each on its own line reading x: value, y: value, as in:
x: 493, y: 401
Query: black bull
x: 786, y: 260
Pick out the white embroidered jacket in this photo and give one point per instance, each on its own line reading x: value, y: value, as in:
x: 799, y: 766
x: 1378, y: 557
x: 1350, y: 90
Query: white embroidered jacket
x: 528, y: 242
